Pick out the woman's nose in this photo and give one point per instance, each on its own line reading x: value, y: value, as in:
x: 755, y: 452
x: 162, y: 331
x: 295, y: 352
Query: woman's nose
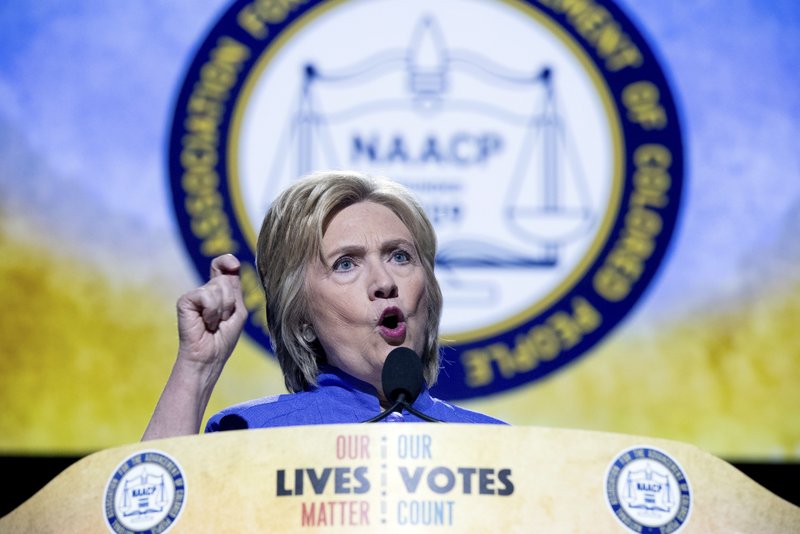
x: 383, y: 285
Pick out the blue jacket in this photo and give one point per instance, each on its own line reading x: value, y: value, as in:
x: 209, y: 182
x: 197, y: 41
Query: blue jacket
x: 338, y: 399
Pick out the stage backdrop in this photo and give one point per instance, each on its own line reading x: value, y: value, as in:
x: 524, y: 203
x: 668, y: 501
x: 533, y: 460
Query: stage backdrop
x: 615, y: 186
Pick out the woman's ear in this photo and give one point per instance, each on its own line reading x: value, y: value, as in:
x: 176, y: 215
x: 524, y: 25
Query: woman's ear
x: 308, y: 333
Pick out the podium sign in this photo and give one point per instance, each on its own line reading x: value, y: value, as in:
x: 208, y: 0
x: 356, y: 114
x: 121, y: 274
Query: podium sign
x: 404, y: 478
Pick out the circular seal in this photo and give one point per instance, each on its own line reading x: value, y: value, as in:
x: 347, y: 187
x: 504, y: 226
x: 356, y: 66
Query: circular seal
x: 546, y: 149
x: 145, y: 494
x: 648, y: 491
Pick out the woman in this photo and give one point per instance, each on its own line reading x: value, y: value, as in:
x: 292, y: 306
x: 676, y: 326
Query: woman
x: 346, y: 261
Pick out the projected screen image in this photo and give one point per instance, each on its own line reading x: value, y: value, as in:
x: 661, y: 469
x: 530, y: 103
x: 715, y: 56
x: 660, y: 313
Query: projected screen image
x: 616, y: 203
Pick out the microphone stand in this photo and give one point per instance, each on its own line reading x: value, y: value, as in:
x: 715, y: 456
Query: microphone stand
x: 398, y: 405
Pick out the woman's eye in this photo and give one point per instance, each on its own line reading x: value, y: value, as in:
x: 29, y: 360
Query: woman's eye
x: 343, y: 264
x: 401, y: 256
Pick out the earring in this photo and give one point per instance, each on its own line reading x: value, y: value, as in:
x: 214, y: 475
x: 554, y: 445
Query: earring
x: 308, y: 334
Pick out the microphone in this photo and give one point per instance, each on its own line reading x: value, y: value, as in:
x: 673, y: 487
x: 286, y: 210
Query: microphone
x: 232, y: 421
x: 402, y: 375
x: 402, y: 380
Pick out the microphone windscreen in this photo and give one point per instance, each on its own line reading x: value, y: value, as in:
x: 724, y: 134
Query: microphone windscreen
x: 402, y: 373
x: 232, y: 421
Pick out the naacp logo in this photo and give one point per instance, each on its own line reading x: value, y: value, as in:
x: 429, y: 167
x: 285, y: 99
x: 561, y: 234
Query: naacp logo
x: 145, y: 494
x: 541, y: 137
x: 648, y: 491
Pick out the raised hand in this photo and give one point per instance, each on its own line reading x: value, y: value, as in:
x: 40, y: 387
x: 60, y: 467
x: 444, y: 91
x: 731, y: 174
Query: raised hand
x: 210, y: 320
x: 211, y: 317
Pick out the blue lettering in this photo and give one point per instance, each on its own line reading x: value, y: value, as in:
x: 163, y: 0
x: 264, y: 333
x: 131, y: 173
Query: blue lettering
x: 319, y: 482
x: 487, y: 145
x: 414, y: 446
x: 441, y: 479
x: 411, y: 481
x: 641, y: 486
x: 504, y: 476
x: 486, y: 481
x: 142, y: 492
x: 281, y: 490
x: 362, y: 147
x: 461, y: 148
x: 361, y: 476
x: 425, y: 512
x: 431, y: 151
x: 457, y: 141
x: 398, y: 150
x: 466, y: 473
x: 449, y: 479
x: 342, y: 480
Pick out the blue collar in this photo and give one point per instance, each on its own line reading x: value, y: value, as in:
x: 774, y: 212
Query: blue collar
x: 362, y: 393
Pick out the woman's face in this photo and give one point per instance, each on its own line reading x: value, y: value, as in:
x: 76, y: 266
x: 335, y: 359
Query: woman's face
x: 369, y: 295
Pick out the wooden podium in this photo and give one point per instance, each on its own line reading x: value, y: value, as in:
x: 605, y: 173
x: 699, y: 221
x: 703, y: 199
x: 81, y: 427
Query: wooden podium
x: 404, y: 478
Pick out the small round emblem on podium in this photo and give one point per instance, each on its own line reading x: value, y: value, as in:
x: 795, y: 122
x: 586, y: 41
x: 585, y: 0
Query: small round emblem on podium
x: 144, y: 494
x: 648, y: 491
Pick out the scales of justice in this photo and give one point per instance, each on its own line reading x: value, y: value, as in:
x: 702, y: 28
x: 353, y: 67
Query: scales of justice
x: 483, y: 146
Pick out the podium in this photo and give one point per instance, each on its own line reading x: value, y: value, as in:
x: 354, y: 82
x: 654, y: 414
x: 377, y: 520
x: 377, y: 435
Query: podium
x: 404, y: 478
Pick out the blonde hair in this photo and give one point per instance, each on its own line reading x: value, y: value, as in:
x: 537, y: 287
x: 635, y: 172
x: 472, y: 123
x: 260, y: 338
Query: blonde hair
x: 291, y: 237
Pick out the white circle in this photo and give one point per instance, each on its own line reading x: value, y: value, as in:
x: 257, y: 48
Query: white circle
x: 648, y: 492
x: 468, y: 55
x: 144, y: 496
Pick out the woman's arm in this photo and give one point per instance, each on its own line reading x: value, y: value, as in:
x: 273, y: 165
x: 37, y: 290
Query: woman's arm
x: 210, y: 320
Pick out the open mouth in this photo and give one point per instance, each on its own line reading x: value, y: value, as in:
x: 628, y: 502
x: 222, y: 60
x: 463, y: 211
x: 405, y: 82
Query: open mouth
x: 392, y: 322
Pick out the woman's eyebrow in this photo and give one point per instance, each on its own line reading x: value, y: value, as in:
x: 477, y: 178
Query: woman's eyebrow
x: 345, y: 250
x: 392, y: 244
